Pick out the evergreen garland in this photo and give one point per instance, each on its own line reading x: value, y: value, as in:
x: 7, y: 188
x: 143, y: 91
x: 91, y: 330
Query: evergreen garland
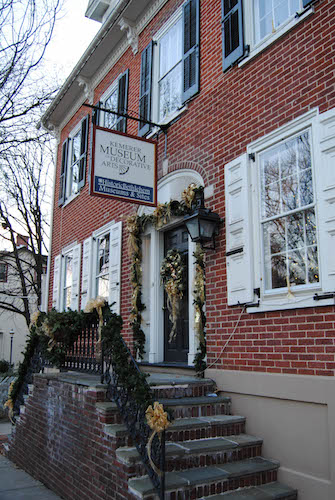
x: 136, y: 226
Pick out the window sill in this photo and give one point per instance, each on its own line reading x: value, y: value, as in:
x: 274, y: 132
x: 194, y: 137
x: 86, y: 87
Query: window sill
x: 263, y: 45
x: 300, y: 299
x: 71, y: 198
x: 168, y: 121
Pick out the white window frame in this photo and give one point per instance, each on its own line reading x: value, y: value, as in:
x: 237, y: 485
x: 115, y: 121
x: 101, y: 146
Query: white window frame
x: 101, y: 233
x: 62, y: 270
x: 250, y: 29
x: 155, y: 75
x: 111, y: 89
x: 65, y: 256
x: 302, y: 295
x: 69, y: 196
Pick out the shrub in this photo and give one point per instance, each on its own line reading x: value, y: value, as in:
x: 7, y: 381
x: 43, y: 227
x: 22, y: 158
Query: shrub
x: 4, y: 366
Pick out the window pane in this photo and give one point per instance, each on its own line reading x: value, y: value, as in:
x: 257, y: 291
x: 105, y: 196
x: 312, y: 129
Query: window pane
x: 281, y: 12
x: 295, y: 231
x: 297, y: 268
x: 74, y: 188
x: 306, y: 187
x: 170, y: 48
x: 274, y: 236
x: 76, y: 147
x: 111, y: 103
x: 103, y: 286
x: 313, y: 265
x: 170, y: 92
x: 290, y: 193
x: 310, y: 225
x: 103, y: 255
x: 276, y: 276
x: 271, y: 202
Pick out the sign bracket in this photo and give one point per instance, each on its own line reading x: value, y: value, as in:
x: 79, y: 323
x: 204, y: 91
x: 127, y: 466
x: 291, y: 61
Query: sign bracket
x: 163, y: 128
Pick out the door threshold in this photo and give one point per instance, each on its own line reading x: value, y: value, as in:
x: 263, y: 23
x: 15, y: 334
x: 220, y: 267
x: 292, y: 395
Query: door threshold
x: 177, y: 368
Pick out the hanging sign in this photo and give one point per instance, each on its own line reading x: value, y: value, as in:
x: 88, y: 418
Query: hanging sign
x: 123, y: 166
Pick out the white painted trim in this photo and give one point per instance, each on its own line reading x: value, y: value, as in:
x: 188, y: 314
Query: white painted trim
x: 249, y: 31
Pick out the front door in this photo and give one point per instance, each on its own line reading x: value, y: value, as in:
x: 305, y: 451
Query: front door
x: 176, y: 348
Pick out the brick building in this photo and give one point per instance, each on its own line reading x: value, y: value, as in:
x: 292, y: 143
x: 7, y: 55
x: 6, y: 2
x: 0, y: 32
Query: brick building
x: 248, y: 90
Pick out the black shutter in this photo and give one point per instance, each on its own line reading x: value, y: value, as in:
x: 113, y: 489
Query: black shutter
x: 122, y: 102
x: 232, y: 32
x: 191, y: 37
x: 63, y: 171
x: 96, y: 114
x: 145, y: 89
x: 83, y: 152
x: 306, y: 3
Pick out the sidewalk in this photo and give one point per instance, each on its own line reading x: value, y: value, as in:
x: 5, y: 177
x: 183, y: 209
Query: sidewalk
x: 15, y: 484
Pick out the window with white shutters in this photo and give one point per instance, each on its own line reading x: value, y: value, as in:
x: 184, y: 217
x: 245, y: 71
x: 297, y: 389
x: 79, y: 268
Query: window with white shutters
x: 280, y: 217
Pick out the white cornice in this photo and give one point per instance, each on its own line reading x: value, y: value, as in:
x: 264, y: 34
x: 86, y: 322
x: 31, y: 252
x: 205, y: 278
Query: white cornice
x: 148, y: 15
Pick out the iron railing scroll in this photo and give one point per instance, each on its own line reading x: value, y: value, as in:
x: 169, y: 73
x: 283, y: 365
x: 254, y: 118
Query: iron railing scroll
x: 134, y: 416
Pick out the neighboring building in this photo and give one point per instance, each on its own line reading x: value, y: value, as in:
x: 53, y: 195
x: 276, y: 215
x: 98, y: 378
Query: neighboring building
x: 248, y: 90
x: 11, y: 293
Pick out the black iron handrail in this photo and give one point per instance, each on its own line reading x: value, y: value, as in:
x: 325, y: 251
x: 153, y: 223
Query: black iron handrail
x: 134, y: 417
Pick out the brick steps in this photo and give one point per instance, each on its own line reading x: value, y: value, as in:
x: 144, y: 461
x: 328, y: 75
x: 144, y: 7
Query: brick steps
x: 207, y: 450
x: 198, y: 453
x: 199, y: 482
x: 269, y: 491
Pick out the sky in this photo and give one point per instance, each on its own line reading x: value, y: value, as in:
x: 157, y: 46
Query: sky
x: 72, y: 35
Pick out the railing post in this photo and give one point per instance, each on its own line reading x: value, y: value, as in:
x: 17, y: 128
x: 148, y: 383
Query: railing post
x: 162, y: 467
x: 102, y: 361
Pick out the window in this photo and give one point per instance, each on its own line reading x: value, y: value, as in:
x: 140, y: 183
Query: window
x: 115, y: 99
x: 102, y: 265
x: 280, y: 217
x: 288, y: 218
x: 73, y: 162
x: 248, y: 26
x: 269, y: 15
x: 68, y: 274
x: 170, y: 67
x: 66, y: 279
x: 3, y: 272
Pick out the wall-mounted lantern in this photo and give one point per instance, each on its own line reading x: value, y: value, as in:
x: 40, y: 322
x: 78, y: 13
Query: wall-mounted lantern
x: 203, y: 224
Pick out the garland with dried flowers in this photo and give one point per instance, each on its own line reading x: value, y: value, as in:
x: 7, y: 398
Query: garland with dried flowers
x: 136, y: 226
x: 199, y: 294
x: 172, y: 274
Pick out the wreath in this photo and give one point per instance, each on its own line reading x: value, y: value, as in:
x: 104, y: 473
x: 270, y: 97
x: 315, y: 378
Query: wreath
x: 172, y: 277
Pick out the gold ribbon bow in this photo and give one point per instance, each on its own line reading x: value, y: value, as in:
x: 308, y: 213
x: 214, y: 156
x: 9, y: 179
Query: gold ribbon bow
x: 158, y: 421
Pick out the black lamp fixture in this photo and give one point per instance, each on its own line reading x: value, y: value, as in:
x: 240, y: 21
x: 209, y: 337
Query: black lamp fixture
x: 203, y: 224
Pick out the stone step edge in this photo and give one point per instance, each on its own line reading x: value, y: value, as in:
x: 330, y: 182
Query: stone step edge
x: 181, y: 424
x: 130, y: 456
x: 283, y: 492
x: 193, y: 401
x: 214, y: 474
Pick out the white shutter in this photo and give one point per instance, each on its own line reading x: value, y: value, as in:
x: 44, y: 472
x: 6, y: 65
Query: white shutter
x: 86, y: 277
x: 76, y: 253
x: 238, y: 232
x: 56, y: 283
x: 115, y: 266
x: 325, y: 195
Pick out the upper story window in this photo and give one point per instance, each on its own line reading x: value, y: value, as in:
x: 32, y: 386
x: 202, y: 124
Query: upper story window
x: 269, y: 15
x: 115, y: 99
x: 170, y: 67
x: 74, y: 159
x: 249, y: 26
x: 170, y: 70
x: 3, y: 272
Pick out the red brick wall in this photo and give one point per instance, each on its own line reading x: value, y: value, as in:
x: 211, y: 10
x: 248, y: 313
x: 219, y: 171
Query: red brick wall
x: 60, y: 440
x: 290, y: 77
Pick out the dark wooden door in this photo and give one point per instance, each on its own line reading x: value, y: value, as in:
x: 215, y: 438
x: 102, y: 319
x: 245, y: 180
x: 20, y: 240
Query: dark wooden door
x: 176, y: 350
